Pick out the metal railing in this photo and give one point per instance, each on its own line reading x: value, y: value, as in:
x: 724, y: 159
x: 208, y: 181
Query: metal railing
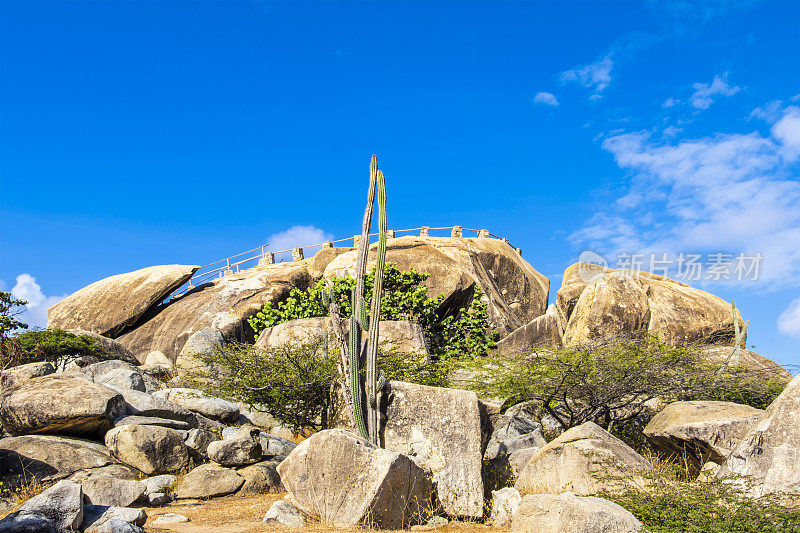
x: 260, y: 256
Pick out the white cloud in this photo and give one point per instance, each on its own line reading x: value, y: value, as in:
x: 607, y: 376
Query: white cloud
x: 595, y: 76
x: 789, y: 320
x: 670, y: 102
x: 545, y: 98
x: 701, y: 98
x: 770, y: 112
x: 296, y: 236
x: 735, y: 192
x: 35, y: 314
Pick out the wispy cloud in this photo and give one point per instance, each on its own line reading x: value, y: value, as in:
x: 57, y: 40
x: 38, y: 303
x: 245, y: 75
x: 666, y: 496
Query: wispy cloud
x: 296, y: 237
x: 595, y: 76
x: 35, y: 314
x: 703, y: 92
x: 545, y: 98
x: 789, y: 320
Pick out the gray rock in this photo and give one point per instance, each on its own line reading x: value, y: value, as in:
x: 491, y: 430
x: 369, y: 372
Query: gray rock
x: 209, y: 425
x: 261, y: 478
x: 159, y: 483
x: 114, y: 350
x: 208, y: 481
x: 118, y: 471
x: 66, y: 404
x: 270, y: 444
x: 115, y: 526
x: 197, y: 441
x: 567, y: 513
x: 543, y: 331
x: 344, y: 481
x: 264, y: 421
x: 284, y: 513
x: 203, y: 342
x: 99, y: 369
x: 26, y: 523
x: 123, y: 378
x: 519, y: 458
x: 194, y: 400
x: 95, y: 516
x: 62, y: 504
x: 505, y: 503
x: 16, y: 374
x: 244, y: 448
x: 112, y: 492
x: 170, y: 518
x: 150, y: 405
x: 153, y: 449
x: 152, y: 421
x: 157, y: 499
x: 49, y: 458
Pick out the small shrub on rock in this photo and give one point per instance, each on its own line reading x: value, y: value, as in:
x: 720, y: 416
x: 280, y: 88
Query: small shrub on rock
x: 53, y: 345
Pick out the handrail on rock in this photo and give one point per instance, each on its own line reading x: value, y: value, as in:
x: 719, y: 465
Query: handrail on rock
x: 267, y: 257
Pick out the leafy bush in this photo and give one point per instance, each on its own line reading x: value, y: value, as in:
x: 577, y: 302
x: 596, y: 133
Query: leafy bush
x: 739, y: 385
x: 405, y: 298
x: 53, y: 345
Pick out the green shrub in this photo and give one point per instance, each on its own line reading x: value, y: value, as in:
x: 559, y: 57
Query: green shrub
x: 739, y: 385
x: 53, y: 345
x: 405, y: 298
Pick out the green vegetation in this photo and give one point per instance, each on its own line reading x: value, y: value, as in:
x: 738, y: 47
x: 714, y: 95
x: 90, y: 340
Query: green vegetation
x: 9, y: 308
x: 404, y: 298
x: 53, y: 345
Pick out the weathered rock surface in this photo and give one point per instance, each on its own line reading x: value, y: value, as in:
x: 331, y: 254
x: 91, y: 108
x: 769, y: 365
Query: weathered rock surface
x: 441, y: 429
x: 768, y: 453
x: 517, y: 431
x: 194, y: 400
x: 62, y: 504
x: 285, y: 514
x: 112, y: 492
x: 159, y: 483
x: 244, y: 448
x: 584, y: 460
x: 568, y: 513
x: 516, y: 292
x: 66, y: 404
x: 123, y: 378
x: 26, y: 523
x: 15, y: 374
x: 49, y: 458
x: 757, y: 365
x: 170, y: 518
x: 114, y: 350
x: 261, y: 478
x: 704, y: 430
x: 96, y: 516
x: 197, y: 441
x: 148, y: 405
x: 270, y: 444
x: 110, y: 305
x: 600, y: 302
x: 152, y: 421
x: 152, y: 449
x: 344, y: 480
x: 166, y: 328
x: 544, y: 331
x: 116, y: 470
x: 208, y: 481
x: 505, y: 503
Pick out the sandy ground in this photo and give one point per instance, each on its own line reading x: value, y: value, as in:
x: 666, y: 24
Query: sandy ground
x: 235, y: 514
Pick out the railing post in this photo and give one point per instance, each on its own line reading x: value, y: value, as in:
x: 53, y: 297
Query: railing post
x: 483, y: 233
x: 505, y: 240
x: 327, y: 244
x: 297, y: 254
x: 455, y: 233
x: 356, y: 240
x: 519, y: 251
x: 268, y: 259
x: 390, y: 234
x: 424, y: 231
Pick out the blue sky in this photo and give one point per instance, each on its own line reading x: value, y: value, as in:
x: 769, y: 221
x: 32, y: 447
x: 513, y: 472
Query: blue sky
x: 142, y: 133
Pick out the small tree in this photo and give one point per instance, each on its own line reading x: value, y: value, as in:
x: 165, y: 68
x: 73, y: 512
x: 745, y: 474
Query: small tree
x: 10, y: 307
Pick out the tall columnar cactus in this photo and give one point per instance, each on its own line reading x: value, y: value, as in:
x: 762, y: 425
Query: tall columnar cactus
x: 738, y: 338
x: 357, y: 355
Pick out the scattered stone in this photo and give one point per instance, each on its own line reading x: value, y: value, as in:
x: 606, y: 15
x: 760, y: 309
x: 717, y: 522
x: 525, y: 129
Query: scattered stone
x: 153, y: 449
x: 112, y: 492
x: 704, y: 430
x: 284, y: 513
x: 568, y: 513
x: 49, y: 458
x: 585, y: 460
x: 345, y: 481
x: 95, y: 516
x: 768, y: 453
x: 261, y: 478
x: 159, y: 483
x: 114, y: 526
x: 242, y: 449
x: 170, y: 518
x: 208, y: 481
x: 67, y: 404
x: 155, y: 360
x: 112, y: 304
x: 194, y: 400
x: 157, y: 499
x: 62, y: 504
x: 505, y: 503
x: 197, y: 441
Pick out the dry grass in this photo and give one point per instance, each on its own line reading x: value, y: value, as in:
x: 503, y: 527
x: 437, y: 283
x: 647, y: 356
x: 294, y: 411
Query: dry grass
x: 235, y: 514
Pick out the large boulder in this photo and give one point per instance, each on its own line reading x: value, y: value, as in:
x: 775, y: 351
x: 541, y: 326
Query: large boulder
x: 196, y: 401
x: 48, y: 458
x: 515, y: 291
x: 568, y: 513
x: 112, y: 304
x: 768, y: 453
x: 261, y: 478
x: 441, y: 429
x: 64, y: 404
x: 141, y: 404
x: 62, y: 504
x: 98, y: 518
x: 151, y: 449
x: 599, y: 302
x: 166, y: 327
x: 545, y: 331
x: 584, y: 460
x: 757, y: 365
x: 703, y: 430
x: 208, y: 481
x: 242, y: 449
x: 114, y: 350
x: 102, y: 490
x: 345, y: 481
